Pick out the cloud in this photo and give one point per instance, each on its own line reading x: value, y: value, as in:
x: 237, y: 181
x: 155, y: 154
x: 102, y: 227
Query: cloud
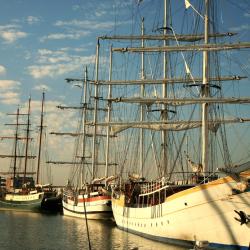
x: 9, y: 92
x: 42, y: 87
x: 83, y: 24
x: 50, y: 106
x: 52, y: 70
x: 9, y: 98
x: 76, y: 7
x: 60, y: 36
x: 2, y: 70
x: 11, y: 33
x: 56, y: 63
x: 32, y: 20
x: 9, y: 84
x: 99, y: 13
x: 241, y: 28
x: 9, y: 95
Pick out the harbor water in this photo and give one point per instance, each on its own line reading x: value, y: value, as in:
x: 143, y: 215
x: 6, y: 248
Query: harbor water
x: 34, y: 231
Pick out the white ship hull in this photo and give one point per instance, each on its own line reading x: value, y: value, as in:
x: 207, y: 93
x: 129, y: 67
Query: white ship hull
x: 24, y: 202
x: 202, y: 213
x: 98, y: 207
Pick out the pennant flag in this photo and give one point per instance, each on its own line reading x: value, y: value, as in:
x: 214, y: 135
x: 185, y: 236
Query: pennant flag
x: 187, y: 68
x: 187, y: 4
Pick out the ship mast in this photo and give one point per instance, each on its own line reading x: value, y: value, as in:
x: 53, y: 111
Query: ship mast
x: 40, y: 140
x: 84, y: 93
x: 164, y: 92
x: 27, y: 141
x: 205, y: 92
x: 95, y: 111
x: 108, y: 114
x: 15, y: 147
x: 142, y: 110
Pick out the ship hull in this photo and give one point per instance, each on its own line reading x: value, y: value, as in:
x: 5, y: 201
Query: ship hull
x: 28, y: 202
x: 98, y: 207
x: 205, y: 213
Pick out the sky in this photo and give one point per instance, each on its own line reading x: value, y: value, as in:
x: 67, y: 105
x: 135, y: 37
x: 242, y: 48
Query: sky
x: 42, y: 42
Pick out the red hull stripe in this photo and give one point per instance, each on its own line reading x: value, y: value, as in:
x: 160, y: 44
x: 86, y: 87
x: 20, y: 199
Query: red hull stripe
x: 97, y: 198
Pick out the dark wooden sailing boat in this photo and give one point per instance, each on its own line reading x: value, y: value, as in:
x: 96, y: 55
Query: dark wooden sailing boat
x: 52, y: 201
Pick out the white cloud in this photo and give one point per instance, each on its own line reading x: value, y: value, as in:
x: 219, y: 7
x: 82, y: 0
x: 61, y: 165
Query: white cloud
x: 73, y: 49
x: 42, y: 87
x: 51, y: 70
x: 10, y: 33
x: 32, y: 19
x: 9, y: 92
x: 76, y: 7
x: 241, y: 27
x: 11, y: 36
x: 9, y: 98
x: 55, y: 63
x: 60, y: 36
x: 2, y: 70
x: 49, y: 105
x: 86, y: 23
x: 9, y: 84
x: 9, y: 95
x: 99, y: 13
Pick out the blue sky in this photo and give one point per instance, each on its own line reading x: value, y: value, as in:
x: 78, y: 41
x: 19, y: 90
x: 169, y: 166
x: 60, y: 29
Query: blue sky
x: 43, y: 42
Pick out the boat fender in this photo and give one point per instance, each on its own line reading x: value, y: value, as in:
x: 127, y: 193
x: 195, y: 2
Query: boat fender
x: 201, y: 244
x: 244, y: 218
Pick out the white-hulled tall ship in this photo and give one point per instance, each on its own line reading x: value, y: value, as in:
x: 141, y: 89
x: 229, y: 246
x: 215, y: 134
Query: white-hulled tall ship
x: 205, y: 204
x: 92, y: 201
x: 18, y: 191
x: 86, y: 196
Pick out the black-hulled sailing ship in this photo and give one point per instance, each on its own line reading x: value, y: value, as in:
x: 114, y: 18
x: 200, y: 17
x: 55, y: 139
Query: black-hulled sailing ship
x: 52, y: 200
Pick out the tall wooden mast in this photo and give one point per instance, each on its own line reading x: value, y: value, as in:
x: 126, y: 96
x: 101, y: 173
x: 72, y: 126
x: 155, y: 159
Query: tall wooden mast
x: 94, y: 149
x: 142, y: 108
x: 164, y: 93
x: 27, y: 141
x: 40, y: 140
x: 205, y: 91
x: 15, y: 147
x: 108, y: 115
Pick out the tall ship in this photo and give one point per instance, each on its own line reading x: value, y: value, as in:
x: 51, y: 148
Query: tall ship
x: 170, y: 95
x: 18, y: 191
x: 86, y: 195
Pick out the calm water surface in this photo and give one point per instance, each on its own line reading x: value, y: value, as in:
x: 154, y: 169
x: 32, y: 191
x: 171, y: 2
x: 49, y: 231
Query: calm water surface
x: 31, y: 231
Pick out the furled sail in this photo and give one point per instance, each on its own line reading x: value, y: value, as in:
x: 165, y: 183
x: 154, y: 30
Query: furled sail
x: 172, y: 126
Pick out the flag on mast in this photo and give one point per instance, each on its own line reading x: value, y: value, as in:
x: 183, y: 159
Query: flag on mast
x: 187, y: 68
x: 187, y: 4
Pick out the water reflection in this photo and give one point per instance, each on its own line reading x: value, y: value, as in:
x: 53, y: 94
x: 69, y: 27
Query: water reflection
x: 31, y: 231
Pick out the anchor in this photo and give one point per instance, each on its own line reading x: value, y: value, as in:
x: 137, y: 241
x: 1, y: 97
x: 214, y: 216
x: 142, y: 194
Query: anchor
x: 244, y: 218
